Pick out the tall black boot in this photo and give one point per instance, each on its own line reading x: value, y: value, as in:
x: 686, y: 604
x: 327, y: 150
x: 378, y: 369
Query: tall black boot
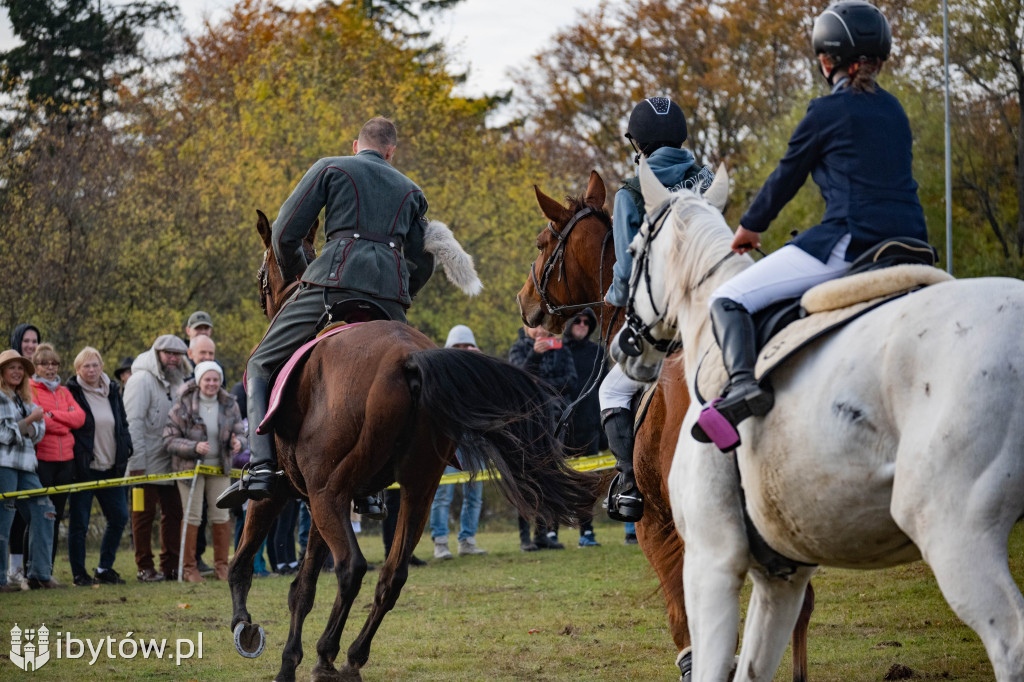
x: 625, y: 503
x: 743, y: 396
x: 259, y: 478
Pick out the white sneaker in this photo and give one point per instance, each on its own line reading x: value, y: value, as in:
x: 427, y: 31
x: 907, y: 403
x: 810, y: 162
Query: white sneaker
x: 441, y: 548
x: 17, y: 578
x: 468, y: 546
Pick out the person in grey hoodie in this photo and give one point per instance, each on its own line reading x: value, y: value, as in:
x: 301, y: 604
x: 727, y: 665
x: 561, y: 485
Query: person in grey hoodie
x: 656, y: 130
x: 157, y: 376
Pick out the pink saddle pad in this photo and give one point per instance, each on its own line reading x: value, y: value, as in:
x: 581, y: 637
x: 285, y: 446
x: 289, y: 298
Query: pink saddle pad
x: 285, y: 375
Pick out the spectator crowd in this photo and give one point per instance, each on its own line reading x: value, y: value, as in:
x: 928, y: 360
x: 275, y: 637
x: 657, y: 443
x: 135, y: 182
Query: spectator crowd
x: 168, y: 410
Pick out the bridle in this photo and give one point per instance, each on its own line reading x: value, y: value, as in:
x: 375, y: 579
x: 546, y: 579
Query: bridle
x: 635, y: 331
x: 263, y: 280
x: 557, y: 260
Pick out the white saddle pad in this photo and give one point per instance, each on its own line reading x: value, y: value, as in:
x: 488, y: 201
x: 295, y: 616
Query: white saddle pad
x: 828, y: 306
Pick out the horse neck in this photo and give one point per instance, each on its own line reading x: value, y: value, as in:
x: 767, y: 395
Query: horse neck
x: 694, y: 315
x: 697, y: 269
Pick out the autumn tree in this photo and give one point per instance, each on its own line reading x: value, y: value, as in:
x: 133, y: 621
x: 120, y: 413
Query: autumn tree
x: 732, y: 66
x: 267, y: 92
x: 987, y: 44
x: 74, y: 54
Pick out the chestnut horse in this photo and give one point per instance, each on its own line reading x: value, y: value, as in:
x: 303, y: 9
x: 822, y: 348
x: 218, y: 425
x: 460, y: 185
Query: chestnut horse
x: 375, y: 404
x: 583, y: 257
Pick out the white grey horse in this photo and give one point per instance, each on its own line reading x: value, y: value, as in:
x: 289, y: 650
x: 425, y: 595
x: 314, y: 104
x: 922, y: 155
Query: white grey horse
x: 900, y: 436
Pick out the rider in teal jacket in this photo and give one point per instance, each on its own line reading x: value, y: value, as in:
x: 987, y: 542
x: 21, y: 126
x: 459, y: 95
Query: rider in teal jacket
x: 657, y: 130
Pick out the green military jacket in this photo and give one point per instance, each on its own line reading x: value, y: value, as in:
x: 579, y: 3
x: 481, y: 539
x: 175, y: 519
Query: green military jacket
x: 367, y: 194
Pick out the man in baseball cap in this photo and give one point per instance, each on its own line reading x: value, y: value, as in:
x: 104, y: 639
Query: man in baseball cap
x: 199, y: 322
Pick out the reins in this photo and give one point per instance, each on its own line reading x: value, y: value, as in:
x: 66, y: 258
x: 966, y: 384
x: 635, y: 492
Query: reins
x: 600, y: 362
x: 631, y: 343
x: 557, y: 259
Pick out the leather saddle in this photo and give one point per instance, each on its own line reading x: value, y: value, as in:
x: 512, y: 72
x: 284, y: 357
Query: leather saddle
x: 896, y: 251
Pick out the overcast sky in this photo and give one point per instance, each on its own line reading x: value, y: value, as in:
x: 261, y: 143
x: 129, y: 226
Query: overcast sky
x: 489, y: 36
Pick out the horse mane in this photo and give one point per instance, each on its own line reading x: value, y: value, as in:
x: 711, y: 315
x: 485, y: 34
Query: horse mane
x: 577, y: 203
x: 701, y: 239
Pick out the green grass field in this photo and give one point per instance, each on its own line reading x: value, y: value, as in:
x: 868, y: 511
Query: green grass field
x: 577, y: 614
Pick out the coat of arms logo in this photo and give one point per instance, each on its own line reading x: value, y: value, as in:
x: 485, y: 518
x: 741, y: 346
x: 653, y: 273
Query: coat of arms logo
x: 30, y: 649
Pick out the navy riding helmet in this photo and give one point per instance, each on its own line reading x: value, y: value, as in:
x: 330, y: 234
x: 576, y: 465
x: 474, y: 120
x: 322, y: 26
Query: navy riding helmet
x: 656, y: 122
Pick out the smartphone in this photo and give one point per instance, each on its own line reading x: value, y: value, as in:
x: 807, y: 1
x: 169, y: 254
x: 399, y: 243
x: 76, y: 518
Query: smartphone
x: 553, y: 342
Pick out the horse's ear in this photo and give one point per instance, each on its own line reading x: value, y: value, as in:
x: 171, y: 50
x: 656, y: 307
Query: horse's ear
x: 311, y: 236
x: 595, y: 191
x: 650, y: 186
x: 718, y: 193
x: 263, y: 227
x: 552, y: 210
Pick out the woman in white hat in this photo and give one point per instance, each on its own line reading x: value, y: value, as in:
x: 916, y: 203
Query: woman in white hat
x: 21, y: 427
x: 205, y: 427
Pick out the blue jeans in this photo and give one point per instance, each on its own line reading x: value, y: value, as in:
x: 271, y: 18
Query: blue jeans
x: 40, y: 514
x: 472, y: 501
x: 305, y: 521
x: 115, y: 509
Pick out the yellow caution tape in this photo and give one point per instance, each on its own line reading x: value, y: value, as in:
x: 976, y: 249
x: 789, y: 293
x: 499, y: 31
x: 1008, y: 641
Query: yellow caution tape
x: 593, y: 463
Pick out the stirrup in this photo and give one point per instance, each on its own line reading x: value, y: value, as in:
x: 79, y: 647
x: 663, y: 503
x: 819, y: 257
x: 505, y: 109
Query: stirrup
x: 714, y: 427
x: 256, y: 485
x: 372, y: 507
x: 625, y: 508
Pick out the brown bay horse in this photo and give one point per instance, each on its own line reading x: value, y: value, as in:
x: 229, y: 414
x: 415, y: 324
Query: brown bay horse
x: 573, y: 270
x: 372, y: 405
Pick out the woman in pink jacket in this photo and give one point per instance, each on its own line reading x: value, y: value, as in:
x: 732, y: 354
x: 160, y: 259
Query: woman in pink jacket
x: 56, y: 451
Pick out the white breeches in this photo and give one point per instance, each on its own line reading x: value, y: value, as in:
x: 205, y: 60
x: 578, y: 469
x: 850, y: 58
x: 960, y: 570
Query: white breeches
x: 786, y: 273
x: 617, y: 390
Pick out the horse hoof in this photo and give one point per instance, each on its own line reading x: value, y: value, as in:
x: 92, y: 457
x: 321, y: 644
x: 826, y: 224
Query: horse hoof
x: 329, y: 674
x: 250, y: 639
x: 347, y: 673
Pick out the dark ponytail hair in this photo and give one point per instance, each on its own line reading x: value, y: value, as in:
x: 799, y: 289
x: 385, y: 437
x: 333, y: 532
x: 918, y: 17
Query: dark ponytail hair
x: 863, y: 73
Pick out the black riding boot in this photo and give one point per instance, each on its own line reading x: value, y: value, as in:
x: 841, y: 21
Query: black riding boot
x: 743, y: 396
x: 625, y: 503
x: 258, y: 480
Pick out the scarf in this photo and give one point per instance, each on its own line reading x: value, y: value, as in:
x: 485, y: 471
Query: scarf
x: 52, y: 385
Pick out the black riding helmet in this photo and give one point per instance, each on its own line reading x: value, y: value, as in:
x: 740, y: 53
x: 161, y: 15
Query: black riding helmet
x: 850, y: 30
x: 655, y: 122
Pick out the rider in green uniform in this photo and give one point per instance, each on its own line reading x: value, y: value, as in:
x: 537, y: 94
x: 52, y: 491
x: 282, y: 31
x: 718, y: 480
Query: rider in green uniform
x: 374, y: 224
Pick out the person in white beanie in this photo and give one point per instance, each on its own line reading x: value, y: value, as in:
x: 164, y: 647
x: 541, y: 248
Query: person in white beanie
x: 460, y: 337
x: 204, y: 427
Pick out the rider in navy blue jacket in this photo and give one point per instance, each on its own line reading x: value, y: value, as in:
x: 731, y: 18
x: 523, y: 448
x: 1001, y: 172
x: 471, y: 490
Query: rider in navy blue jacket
x: 856, y: 144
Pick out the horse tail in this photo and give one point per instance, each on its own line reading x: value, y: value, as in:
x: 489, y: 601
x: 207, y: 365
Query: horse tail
x: 503, y: 419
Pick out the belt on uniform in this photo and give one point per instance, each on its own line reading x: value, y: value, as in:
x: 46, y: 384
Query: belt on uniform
x: 394, y: 241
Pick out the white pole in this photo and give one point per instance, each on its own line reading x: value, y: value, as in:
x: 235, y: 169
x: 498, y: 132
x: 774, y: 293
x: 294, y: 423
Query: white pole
x: 184, y: 523
x: 949, y: 162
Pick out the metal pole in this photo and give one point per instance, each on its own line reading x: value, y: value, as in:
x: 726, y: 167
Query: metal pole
x: 184, y: 523
x: 949, y: 162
